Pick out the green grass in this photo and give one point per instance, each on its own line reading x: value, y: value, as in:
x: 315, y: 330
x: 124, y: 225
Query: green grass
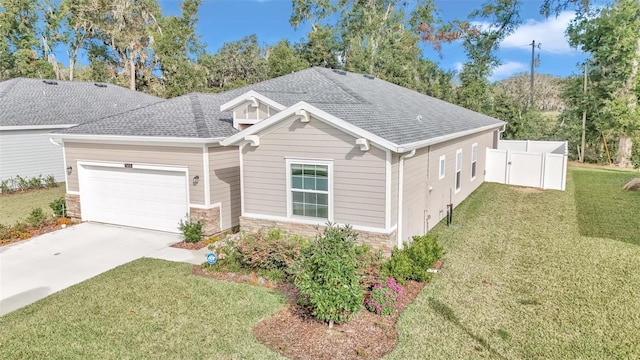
x: 147, y: 309
x: 604, y: 208
x: 18, y: 206
x: 521, y: 282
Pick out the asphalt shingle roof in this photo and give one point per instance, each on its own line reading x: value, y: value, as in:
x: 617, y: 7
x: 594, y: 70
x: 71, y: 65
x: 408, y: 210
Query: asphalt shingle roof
x: 36, y: 102
x: 392, y: 112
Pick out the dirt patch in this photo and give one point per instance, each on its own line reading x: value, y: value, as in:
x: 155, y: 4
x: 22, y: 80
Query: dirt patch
x: 294, y: 333
x: 526, y: 190
x: 191, y: 246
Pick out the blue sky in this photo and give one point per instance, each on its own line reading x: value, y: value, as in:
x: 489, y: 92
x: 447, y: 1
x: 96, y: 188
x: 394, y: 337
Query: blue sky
x: 229, y: 20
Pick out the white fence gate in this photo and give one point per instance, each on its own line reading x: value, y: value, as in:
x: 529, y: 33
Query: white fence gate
x: 541, y: 164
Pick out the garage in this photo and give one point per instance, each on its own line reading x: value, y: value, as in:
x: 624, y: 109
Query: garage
x: 133, y: 195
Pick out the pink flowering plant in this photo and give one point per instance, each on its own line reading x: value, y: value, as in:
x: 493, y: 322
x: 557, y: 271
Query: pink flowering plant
x: 384, y: 297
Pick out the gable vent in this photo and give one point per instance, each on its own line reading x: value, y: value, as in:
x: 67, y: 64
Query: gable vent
x: 369, y: 76
x: 339, y: 72
x: 100, y: 85
x: 50, y: 82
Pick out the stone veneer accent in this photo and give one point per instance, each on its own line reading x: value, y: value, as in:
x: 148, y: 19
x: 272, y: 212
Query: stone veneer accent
x: 73, y: 207
x: 210, y: 219
x: 384, y: 242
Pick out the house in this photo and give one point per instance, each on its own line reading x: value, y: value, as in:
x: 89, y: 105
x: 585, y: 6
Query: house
x: 31, y: 108
x: 298, y: 151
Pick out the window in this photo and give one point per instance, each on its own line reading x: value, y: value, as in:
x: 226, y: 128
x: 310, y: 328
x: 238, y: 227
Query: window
x: 308, y: 188
x: 442, y: 167
x: 458, y: 169
x: 474, y: 160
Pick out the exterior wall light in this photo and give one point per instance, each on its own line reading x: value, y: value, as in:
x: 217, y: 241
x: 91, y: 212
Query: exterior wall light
x: 69, y: 169
x: 196, y: 179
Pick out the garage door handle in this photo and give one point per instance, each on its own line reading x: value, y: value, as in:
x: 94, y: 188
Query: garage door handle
x: 509, y: 163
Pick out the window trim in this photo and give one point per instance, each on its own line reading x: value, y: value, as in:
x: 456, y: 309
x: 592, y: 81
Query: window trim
x: 442, y: 167
x: 474, y: 159
x: 289, y: 196
x: 458, y: 186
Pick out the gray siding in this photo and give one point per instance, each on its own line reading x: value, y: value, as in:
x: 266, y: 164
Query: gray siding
x: 423, y: 209
x: 152, y: 155
x: 29, y: 153
x: 224, y: 170
x: 359, y: 177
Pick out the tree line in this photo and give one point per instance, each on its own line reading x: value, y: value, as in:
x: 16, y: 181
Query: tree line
x: 131, y: 43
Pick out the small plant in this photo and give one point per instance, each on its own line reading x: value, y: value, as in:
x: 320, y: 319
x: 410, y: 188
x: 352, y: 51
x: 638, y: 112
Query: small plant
x: 412, y: 262
x: 37, y: 218
x: 64, y: 221
x: 5, y: 188
x: 327, y: 278
x: 383, y: 299
x: 35, y: 182
x: 20, y: 231
x: 59, y: 207
x: 23, y: 183
x: 50, y: 181
x: 191, y: 230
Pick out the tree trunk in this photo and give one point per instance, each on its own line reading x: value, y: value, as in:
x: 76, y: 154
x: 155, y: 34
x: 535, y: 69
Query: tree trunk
x: 625, y: 146
x: 132, y: 74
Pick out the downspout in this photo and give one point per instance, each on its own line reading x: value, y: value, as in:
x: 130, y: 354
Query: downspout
x: 400, y: 197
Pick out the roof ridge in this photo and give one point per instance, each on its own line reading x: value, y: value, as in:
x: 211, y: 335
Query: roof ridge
x: 198, y: 116
x: 10, y: 86
x: 341, y: 85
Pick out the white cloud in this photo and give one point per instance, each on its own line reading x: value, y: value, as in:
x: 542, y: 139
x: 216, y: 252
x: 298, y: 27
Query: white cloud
x: 507, y: 69
x: 458, y: 66
x: 549, y: 32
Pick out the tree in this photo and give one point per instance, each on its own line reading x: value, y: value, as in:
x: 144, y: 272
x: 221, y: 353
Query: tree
x: 22, y: 54
x: 236, y: 64
x: 283, y: 59
x: 611, y: 37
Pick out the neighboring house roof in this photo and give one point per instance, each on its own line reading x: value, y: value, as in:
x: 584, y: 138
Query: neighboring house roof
x: 41, y: 103
x: 391, y: 112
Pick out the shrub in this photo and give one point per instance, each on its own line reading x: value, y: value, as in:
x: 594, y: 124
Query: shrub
x: 412, y: 262
x: 327, y: 278
x: 23, y: 183
x: 35, y: 182
x: 50, y: 181
x: 368, y: 263
x: 272, y: 250
x: 59, y: 207
x: 191, y: 230
x: 383, y: 298
x: 5, y: 232
x: 20, y: 231
x: 37, y: 218
x: 5, y: 188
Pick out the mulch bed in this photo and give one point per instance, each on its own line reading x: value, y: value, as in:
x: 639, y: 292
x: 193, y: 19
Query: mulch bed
x: 191, y: 246
x: 46, y: 228
x: 294, y: 333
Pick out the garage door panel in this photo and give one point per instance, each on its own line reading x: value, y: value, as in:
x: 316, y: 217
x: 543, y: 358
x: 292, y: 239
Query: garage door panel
x: 153, y: 199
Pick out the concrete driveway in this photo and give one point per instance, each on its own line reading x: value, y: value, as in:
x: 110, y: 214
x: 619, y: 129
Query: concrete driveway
x: 33, y: 269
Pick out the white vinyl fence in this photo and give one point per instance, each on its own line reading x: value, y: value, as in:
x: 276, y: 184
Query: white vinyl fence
x: 540, y: 164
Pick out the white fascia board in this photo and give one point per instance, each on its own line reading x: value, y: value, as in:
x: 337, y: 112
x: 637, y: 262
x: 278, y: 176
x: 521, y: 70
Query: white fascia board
x: 317, y: 113
x: 36, y: 127
x: 443, y: 138
x: 135, y: 139
x: 246, y: 96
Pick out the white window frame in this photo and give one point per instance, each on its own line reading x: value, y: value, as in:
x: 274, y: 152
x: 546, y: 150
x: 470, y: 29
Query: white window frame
x: 458, y: 183
x: 442, y: 167
x: 474, y: 160
x: 302, y: 161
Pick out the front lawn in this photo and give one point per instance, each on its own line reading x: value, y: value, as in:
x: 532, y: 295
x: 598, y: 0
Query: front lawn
x: 147, y: 309
x: 18, y: 206
x: 520, y: 282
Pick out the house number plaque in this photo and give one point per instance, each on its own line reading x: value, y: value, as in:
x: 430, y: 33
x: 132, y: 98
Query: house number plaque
x: 128, y: 166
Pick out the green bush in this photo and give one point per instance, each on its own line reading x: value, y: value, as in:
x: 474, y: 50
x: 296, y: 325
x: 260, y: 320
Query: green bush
x: 191, y: 230
x: 50, y: 181
x: 59, y: 207
x: 37, y: 218
x: 35, y: 182
x: 327, y: 280
x: 412, y: 262
x: 272, y: 250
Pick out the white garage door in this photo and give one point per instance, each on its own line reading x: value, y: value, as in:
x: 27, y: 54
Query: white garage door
x: 150, y: 199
